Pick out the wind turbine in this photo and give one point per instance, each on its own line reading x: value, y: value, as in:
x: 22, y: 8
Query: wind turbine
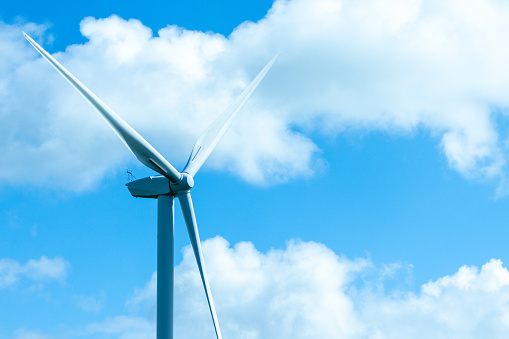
x: 165, y: 187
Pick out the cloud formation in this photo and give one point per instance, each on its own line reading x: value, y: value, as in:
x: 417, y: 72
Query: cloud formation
x: 23, y: 334
x: 394, y: 66
x: 43, y: 269
x: 308, y: 291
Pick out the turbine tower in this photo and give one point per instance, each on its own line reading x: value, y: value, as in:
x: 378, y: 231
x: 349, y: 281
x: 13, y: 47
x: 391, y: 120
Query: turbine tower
x: 165, y: 187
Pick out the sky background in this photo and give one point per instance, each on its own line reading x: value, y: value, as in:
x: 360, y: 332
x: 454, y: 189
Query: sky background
x: 362, y: 193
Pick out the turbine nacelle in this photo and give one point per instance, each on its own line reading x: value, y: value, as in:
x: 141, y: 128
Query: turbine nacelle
x: 154, y: 186
x: 150, y: 187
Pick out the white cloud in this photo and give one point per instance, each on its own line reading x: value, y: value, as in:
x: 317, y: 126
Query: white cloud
x: 471, y: 303
x: 24, y: 334
x: 308, y: 291
x: 123, y: 327
x: 394, y: 65
x: 91, y: 303
x: 43, y: 269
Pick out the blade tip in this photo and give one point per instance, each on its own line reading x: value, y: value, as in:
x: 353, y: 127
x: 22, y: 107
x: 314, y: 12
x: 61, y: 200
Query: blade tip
x: 30, y: 40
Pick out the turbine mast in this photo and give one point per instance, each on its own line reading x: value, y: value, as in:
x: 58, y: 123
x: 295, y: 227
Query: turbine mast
x: 165, y: 244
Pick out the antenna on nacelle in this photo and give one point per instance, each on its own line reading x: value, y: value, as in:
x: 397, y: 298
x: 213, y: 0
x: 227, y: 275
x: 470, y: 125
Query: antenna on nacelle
x: 130, y: 176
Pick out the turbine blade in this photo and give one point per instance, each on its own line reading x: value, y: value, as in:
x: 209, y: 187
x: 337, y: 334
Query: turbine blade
x: 145, y: 153
x: 187, y: 209
x: 215, y: 131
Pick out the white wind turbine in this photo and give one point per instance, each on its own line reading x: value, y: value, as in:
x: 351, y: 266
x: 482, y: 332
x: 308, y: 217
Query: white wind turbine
x: 171, y: 183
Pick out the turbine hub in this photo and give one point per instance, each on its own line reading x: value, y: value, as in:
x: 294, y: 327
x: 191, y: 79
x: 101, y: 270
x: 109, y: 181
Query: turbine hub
x: 184, y: 185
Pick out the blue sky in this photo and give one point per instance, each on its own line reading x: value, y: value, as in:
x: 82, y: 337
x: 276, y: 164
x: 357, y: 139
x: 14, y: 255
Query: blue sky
x: 361, y: 194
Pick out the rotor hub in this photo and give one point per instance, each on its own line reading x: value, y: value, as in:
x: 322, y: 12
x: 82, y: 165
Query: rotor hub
x: 184, y: 185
